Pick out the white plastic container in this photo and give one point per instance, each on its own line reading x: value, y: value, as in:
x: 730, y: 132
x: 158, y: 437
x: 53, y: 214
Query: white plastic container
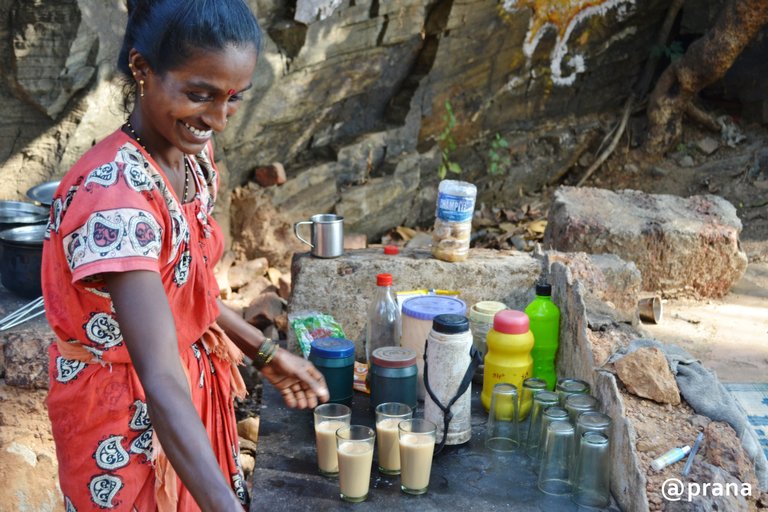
x: 448, y: 359
x: 417, y: 315
x: 453, y: 220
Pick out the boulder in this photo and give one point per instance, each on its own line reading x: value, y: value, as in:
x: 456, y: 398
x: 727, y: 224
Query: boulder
x: 270, y: 175
x: 645, y: 373
x: 264, y: 309
x: 682, y: 246
x: 26, y: 358
x: 242, y: 273
x: 248, y: 428
x: 221, y: 272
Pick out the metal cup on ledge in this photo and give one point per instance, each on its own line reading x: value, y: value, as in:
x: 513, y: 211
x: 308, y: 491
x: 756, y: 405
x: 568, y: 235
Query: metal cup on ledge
x: 327, y: 235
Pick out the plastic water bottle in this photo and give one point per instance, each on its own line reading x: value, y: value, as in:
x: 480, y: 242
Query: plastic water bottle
x: 384, y: 325
x: 545, y: 326
x: 453, y: 220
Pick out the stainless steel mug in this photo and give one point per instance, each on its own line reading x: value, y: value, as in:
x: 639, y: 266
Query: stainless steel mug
x: 327, y: 235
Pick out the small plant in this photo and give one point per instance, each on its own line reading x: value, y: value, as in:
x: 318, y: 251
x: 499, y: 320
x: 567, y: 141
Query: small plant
x: 448, y: 144
x: 673, y: 52
x: 498, y: 155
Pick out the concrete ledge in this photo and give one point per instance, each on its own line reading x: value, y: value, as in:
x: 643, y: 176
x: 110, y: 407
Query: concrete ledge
x: 343, y: 287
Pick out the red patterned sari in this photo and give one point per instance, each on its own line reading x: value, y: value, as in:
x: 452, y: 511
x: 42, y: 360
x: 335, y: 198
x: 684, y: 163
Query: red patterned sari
x: 113, y: 212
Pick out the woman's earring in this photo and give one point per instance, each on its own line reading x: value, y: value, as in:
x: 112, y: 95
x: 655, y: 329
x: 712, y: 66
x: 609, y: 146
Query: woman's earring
x: 141, y: 88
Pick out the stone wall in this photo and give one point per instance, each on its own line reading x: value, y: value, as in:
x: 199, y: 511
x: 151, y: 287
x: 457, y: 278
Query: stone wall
x: 349, y: 96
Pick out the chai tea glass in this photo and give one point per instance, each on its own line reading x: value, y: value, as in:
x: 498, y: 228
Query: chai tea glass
x: 417, y: 445
x: 388, y: 417
x: 354, y: 447
x: 328, y: 419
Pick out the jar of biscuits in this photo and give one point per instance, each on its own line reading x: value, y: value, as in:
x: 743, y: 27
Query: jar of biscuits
x: 453, y: 220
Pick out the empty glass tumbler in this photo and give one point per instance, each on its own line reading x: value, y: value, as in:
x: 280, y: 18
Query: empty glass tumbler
x: 503, y: 432
x: 593, y: 421
x: 549, y: 415
x: 554, y: 472
x: 531, y: 386
x: 592, y: 481
x: 577, y: 404
x: 569, y: 386
x: 541, y: 401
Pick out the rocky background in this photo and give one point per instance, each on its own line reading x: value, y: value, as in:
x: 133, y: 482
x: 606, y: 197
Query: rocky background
x: 350, y: 97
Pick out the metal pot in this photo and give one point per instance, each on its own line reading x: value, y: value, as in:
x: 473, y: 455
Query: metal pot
x: 21, y: 258
x: 43, y: 193
x: 16, y: 213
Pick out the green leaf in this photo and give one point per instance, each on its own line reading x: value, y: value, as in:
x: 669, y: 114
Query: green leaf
x: 441, y: 172
x: 454, y: 167
x: 494, y: 168
x: 503, y: 143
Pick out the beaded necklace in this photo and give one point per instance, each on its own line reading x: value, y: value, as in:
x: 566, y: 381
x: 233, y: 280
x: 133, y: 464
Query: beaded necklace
x: 187, y: 170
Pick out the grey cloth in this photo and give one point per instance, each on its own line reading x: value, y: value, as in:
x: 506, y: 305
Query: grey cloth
x: 707, y: 396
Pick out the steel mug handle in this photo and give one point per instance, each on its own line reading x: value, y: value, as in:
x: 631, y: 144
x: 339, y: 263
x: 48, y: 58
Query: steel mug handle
x: 296, y: 231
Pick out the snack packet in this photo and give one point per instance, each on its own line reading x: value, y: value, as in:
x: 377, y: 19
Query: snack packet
x: 312, y: 325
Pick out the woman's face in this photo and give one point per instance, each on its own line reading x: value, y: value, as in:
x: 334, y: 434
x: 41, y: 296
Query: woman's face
x: 184, y: 107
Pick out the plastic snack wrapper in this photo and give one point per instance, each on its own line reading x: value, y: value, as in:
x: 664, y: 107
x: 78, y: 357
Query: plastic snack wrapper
x: 312, y: 325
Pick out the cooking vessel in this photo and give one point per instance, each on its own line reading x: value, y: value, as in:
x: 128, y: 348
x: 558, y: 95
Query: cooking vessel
x: 16, y: 213
x: 43, y: 193
x: 20, y: 259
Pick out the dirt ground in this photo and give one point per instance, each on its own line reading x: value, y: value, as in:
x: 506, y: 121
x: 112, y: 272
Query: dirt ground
x: 729, y: 335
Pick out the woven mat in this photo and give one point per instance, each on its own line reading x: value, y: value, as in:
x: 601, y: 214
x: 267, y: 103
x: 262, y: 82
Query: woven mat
x: 753, y: 398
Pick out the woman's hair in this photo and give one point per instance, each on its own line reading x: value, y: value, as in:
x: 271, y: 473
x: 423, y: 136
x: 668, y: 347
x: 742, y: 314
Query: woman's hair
x: 168, y: 32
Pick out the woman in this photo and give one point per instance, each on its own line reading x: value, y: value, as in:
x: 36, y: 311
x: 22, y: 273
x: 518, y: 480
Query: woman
x: 143, y: 373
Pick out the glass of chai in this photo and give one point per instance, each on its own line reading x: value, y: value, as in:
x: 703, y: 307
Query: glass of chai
x: 388, y: 416
x: 417, y: 444
x: 328, y: 419
x: 354, y: 446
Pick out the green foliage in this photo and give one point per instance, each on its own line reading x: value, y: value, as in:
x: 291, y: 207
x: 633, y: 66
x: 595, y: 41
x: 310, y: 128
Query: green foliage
x: 674, y: 51
x: 498, y: 156
x: 447, y: 143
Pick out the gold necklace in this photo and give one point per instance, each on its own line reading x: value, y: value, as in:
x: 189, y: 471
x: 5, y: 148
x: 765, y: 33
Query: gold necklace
x: 187, y: 170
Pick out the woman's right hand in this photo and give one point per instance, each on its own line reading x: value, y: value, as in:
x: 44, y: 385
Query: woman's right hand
x: 301, y: 384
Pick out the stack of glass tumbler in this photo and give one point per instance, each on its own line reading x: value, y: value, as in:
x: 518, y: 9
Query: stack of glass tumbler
x: 568, y: 437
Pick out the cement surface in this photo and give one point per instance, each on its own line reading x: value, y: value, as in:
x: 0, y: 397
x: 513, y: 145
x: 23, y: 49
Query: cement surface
x: 465, y: 477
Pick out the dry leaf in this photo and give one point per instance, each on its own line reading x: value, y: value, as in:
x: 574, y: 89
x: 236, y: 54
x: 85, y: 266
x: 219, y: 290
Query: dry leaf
x: 405, y: 233
x: 508, y: 227
x: 536, y: 227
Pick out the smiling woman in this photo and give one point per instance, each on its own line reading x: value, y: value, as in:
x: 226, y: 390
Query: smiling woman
x: 143, y: 373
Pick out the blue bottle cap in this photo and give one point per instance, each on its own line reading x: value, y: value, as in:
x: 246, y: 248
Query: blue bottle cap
x: 427, y: 307
x: 332, y: 348
x: 450, y: 324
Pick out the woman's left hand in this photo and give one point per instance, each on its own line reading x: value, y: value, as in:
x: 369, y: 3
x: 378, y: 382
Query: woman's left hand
x: 301, y: 384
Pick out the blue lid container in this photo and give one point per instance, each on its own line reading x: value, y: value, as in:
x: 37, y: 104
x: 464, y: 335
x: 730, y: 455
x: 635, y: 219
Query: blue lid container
x: 335, y: 358
x: 427, y: 307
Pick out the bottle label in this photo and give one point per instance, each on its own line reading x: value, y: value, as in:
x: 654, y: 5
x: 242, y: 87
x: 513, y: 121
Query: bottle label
x: 455, y: 208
